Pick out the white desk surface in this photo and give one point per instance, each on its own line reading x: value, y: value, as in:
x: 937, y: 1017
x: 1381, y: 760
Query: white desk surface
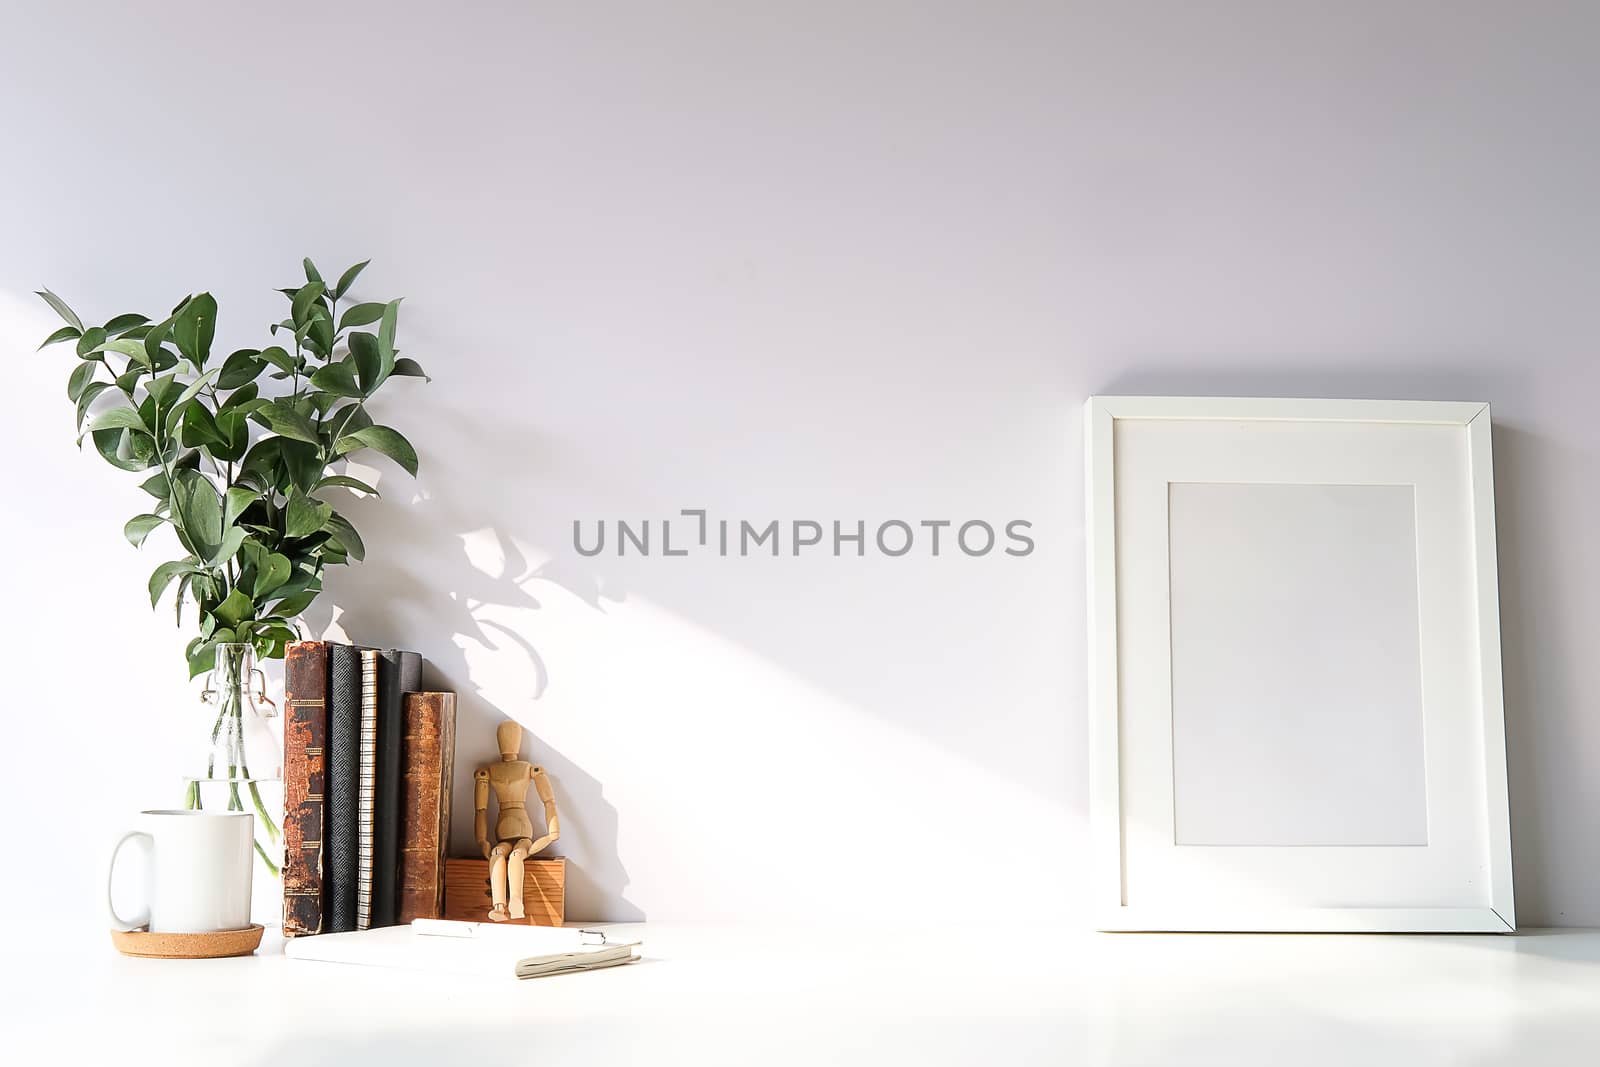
x: 1001, y: 995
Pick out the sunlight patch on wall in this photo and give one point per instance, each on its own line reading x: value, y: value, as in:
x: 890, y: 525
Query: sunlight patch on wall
x: 705, y: 781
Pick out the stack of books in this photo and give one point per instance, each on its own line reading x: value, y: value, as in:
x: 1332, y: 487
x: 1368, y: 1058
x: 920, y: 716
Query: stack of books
x: 367, y: 761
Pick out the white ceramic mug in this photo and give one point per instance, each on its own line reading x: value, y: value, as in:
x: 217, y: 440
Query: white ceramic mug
x: 198, y: 865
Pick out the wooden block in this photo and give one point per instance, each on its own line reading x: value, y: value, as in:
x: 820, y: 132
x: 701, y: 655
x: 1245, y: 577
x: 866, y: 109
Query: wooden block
x: 544, y: 891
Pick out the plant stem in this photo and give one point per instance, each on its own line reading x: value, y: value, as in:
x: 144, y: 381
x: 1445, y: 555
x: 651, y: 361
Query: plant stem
x: 255, y: 793
x: 229, y: 727
x: 211, y: 755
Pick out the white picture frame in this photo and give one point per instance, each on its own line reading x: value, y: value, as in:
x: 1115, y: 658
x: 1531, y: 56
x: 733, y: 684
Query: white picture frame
x: 1184, y: 838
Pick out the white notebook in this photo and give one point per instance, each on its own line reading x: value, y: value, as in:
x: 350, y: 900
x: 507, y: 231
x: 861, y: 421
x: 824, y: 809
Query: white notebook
x: 448, y: 947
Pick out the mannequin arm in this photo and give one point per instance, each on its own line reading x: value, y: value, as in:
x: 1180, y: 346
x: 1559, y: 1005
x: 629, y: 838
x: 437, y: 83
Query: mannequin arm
x: 552, y: 819
x: 480, y: 809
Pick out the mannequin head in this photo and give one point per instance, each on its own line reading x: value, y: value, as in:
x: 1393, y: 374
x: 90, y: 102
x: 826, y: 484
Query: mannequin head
x: 509, y: 736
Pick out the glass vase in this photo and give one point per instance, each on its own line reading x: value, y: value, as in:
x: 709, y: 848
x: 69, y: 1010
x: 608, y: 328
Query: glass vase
x: 244, y: 758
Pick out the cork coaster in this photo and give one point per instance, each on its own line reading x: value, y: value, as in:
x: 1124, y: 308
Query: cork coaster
x: 188, y: 946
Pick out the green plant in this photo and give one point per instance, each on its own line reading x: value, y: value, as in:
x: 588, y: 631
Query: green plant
x: 239, y: 474
x: 240, y: 468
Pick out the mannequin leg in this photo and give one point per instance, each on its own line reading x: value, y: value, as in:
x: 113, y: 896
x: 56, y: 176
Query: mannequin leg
x: 514, y: 877
x: 497, y: 882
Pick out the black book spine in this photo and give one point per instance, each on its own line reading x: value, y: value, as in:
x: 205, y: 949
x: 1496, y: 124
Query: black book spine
x: 398, y: 673
x: 343, y: 784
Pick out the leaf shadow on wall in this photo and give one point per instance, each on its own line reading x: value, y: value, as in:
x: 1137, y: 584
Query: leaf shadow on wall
x: 1543, y: 770
x: 420, y: 588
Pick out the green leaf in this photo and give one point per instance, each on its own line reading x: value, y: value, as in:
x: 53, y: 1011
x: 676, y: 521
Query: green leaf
x: 156, y: 486
x: 311, y: 271
x: 308, y: 295
x: 337, y: 378
x: 293, y: 605
x: 123, y: 418
x: 347, y: 420
x: 234, y: 430
x: 199, y: 511
x: 115, y: 449
x: 282, y: 419
x: 134, y: 350
x: 79, y: 380
x: 348, y: 278
x: 368, y: 360
x: 184, y: 584
x: 89, y: 343
x: 138, y: 528
x: 345, y: 536
x: 194, y: 326
x: 194, y: 388
x: 123, y: 323
x: 141, y: 449
x: 199, y: 428
x: 160, y: 389
x: 273, y: 572
x: 347, y: 482
x: 231, y: 540
x: 242, y: 396
x: 360, y: 315
x: 270, y: 644
x: 235, y: 609
x: 319, y: 337
x: 66, y: 313
x: 240, y: 368
x: 90, y: 391
x: 407, y: 367
x: 386, y: 331
x: 279, y: 357
x: 163, y: 575
x: 305, y: 516
x: 252, y: 554
x: 204, y: 657
x: 157, y: 409
x: 154, y: 340
x: 234, y: 501
x: 386, y: 440
x: 264, y: 456
x: 66, y: 333
x: 303, y: 463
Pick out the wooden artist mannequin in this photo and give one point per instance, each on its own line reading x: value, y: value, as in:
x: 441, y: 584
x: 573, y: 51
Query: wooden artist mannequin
x: 513, y: 830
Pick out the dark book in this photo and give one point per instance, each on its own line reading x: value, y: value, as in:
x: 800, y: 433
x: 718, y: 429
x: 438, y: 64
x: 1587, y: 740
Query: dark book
x: 367, y: 791
x: 398, y: 673
x: 429, y: 750
x: 342, y: 791
x: 305, y: 739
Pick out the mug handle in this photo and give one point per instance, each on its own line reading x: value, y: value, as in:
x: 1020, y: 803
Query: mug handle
x: 143, y: 918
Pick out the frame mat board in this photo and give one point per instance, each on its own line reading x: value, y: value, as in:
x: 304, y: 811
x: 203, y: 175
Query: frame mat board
x: 1121, y: 906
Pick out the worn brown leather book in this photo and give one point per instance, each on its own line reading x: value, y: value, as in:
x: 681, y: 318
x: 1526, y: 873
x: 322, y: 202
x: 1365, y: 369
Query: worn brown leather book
x: 305, y: 740
x: 429, y: 754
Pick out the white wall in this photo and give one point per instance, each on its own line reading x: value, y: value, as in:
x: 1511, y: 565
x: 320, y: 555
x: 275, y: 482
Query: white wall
x: 796, y: 261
